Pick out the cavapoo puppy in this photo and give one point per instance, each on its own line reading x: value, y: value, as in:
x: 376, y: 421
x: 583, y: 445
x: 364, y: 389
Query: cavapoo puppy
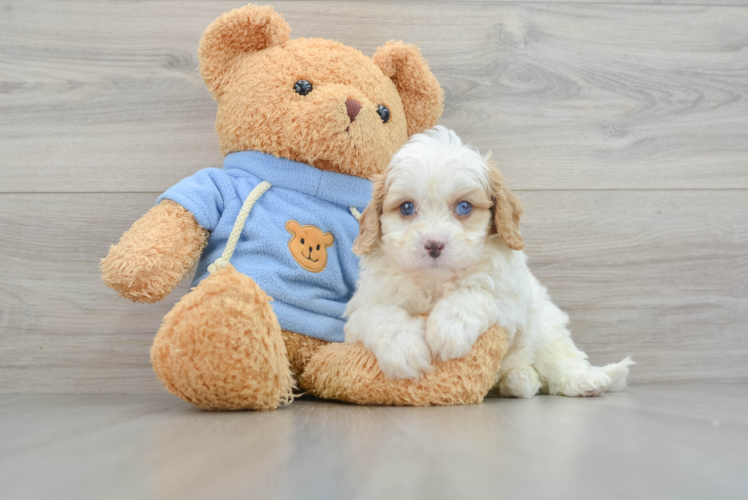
x: 441, y: 261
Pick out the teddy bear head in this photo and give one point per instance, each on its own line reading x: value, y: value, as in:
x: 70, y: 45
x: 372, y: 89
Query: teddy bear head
x: 313, y: 100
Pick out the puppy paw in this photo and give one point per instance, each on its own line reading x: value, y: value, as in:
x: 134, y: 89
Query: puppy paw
x: 586, y: 383
x: 519, y: 382
x: 405, y: 354
x: 450, y: 332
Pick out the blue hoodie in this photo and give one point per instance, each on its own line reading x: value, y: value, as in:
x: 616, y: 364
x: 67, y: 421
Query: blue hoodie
x: 310, y: 302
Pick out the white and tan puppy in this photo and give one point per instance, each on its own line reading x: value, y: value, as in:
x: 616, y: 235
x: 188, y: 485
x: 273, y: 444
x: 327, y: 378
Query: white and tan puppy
x: 441, y: 238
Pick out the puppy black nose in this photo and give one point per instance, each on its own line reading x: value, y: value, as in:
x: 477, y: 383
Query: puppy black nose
x: 434, y: 248
x: 352, y: 106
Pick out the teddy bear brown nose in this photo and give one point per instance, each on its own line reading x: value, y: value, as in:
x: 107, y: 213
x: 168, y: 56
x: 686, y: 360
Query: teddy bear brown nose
x: 353, y: 107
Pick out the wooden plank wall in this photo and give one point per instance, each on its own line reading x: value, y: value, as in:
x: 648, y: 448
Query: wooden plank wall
x: 623, y: 126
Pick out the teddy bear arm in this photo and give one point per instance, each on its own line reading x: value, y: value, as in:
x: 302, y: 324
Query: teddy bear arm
x: 155, y: 254
x: 349, y: 372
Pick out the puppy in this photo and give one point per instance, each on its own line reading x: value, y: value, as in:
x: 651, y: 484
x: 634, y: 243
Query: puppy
x: 441, y: 261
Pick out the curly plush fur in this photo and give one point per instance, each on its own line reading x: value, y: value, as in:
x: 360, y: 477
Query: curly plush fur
x: 300, y: 349
x: 221, y: 347
x: 155, y: 254
x: 349, y: 372
x: 306, y: 128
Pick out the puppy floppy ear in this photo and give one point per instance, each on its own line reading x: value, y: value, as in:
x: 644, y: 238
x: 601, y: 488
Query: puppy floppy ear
x: 241, y: 31
x: 507, y: 210
x: 422, y: 96
x: 369, y: 226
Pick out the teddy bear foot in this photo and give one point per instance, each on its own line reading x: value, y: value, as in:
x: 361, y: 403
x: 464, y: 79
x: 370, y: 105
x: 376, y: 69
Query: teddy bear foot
x: 221, y: 348
x: 348, y: 372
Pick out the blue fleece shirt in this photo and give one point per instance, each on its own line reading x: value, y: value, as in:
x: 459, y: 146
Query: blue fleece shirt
x: 309, y: 295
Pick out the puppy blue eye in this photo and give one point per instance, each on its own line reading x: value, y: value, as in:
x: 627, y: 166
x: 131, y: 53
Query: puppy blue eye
x: 464, y: 208
x: 407, y: 208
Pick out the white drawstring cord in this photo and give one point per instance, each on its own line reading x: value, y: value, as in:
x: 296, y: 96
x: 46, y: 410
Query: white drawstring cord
x: 222, y: 261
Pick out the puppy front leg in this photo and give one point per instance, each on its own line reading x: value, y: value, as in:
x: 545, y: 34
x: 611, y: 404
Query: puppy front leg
x: 456, y: 322
x: 395, y: 338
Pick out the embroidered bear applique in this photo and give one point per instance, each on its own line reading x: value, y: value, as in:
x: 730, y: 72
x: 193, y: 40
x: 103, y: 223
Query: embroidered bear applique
x: 308, y: 246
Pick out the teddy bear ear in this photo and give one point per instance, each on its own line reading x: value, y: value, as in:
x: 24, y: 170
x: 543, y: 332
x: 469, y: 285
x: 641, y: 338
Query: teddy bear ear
x: 423, y: 97
x: 241, y: 31
x: 292, y: 227
x: 328, y: 239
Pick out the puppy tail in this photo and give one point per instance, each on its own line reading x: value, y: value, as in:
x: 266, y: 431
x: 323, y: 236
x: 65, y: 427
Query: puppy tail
x: 617, y: 373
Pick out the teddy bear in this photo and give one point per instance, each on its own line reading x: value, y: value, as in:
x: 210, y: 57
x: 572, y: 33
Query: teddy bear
x: 303, y: 125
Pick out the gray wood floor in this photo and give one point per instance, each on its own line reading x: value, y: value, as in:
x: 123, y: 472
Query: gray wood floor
x: 622, y: 126
x: 680, y: 441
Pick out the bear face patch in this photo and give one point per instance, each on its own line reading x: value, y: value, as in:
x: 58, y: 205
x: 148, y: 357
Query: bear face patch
x: 308, y: 246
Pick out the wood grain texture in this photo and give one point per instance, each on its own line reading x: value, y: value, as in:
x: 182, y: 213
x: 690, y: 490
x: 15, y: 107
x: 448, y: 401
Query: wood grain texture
x: 660, y: 275
x: 624, y: 125
x: 105, y: 96
x: 684, y: 441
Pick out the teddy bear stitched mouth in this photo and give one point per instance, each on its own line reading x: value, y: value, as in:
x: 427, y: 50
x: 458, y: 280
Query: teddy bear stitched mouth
x: 310, y: 257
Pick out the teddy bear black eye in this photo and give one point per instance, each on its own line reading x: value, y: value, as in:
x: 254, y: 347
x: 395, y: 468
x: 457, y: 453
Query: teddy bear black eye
x: 317, y: 247
x: 383, y: 113
x: 302, y: 87
x: 302, y: 241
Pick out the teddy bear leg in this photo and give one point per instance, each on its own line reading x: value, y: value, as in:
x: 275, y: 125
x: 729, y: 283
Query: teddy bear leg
x: 300, y: 349
x: 348, y: 372
x: 221, y: 348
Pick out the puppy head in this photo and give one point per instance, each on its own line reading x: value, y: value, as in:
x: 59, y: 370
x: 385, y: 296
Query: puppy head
x: 437, y: 204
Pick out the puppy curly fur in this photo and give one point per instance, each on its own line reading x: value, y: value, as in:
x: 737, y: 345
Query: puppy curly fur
x: 441, y: 239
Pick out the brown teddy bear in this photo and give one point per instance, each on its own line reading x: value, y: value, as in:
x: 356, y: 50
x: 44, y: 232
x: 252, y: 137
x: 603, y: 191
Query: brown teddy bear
x: 303, y: 124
